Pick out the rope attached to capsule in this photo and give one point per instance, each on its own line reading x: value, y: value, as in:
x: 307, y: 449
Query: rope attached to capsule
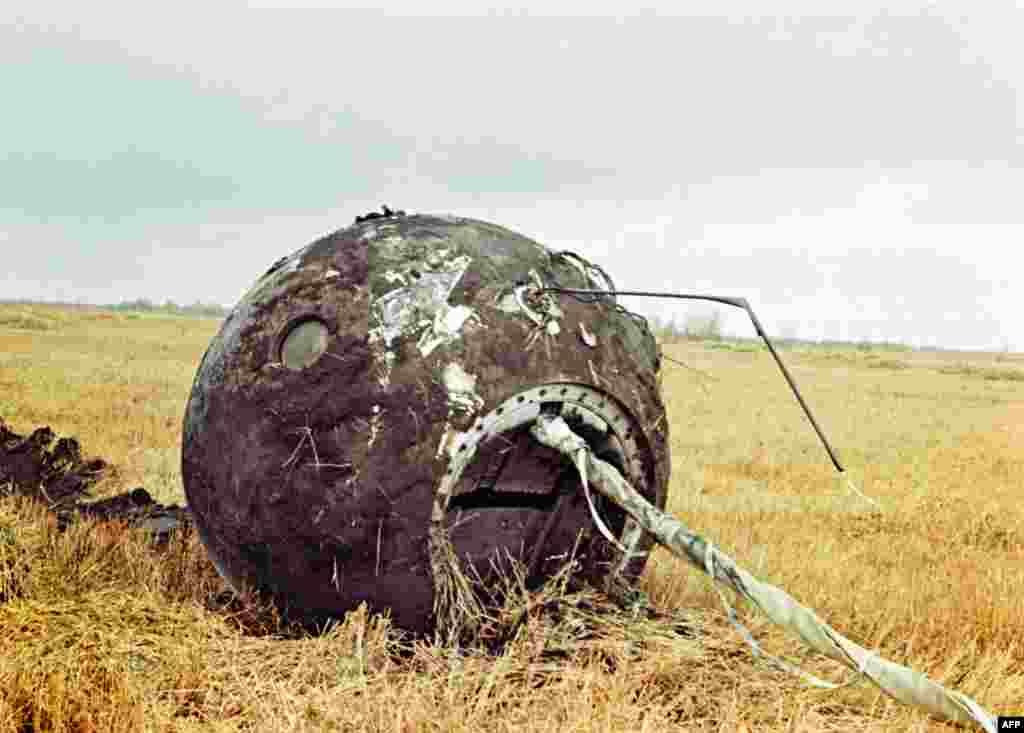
x: 897, y: 681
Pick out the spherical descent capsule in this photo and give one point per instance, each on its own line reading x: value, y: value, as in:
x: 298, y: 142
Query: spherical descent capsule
x: 384, y: 377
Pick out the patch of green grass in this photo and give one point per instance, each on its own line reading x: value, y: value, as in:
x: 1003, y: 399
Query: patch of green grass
x: 888, y: 364
x: 29, y: 319
x: 881, y: 346
x: 995, y: 374
x: 735, y: 346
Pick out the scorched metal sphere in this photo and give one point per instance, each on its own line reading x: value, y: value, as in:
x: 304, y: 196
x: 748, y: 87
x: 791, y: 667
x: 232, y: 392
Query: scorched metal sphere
x: 378, y: 385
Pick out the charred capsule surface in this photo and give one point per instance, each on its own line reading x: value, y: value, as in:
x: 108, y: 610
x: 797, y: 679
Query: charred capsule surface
x: 361, y: 371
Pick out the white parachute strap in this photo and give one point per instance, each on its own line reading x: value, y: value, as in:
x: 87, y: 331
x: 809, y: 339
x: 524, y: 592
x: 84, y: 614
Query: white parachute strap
x: 897, y: 681
x: 581, y: 466
x: 850, y: 485
x: 755, y: 647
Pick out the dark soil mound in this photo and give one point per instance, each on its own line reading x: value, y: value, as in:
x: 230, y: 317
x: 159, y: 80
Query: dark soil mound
x: 53, y: 472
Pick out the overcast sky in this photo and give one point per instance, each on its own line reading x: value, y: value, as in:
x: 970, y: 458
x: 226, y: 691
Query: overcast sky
x: 855, y: 174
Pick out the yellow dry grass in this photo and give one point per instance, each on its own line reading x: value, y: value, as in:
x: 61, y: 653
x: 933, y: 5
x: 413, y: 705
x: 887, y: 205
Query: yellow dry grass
x: 99, y: 633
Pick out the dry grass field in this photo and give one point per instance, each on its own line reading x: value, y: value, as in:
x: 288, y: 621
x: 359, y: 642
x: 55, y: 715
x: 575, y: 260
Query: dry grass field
x: 101, y: 633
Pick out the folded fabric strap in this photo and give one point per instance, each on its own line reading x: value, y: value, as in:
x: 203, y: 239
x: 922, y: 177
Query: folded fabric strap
x: 899, y: 682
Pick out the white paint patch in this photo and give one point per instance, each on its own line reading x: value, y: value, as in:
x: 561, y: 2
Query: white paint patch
x: 420, y: 307
x: 450, y: 442
x: 374, y: 426
x: 461, y: 386
x: 588, y: 338
x: 446, y: 437
x: 423, y: 303
x: 447, y: 327
x: 552, y: 309
x: 462, y: 398
x: 395, y: 277
x: 507, y: 303
x: 436, y: 258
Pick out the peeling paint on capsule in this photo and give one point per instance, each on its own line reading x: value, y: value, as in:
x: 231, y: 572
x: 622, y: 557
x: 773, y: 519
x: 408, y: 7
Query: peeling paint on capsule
x: 430, y: 322
x: 422, y: 302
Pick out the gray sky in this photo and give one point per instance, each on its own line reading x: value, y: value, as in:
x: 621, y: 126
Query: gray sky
x: 855, y: 173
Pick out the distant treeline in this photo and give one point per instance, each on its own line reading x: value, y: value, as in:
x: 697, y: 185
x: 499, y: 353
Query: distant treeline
x: 212, y: 310
x: 709, y: 328
x: 144, y: 305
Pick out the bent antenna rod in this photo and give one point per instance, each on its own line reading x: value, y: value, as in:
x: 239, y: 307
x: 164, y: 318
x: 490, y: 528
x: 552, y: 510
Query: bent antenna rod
x: 736, y: 303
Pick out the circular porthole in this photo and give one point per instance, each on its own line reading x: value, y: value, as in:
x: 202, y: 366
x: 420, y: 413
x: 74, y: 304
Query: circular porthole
x: 304, y: 344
